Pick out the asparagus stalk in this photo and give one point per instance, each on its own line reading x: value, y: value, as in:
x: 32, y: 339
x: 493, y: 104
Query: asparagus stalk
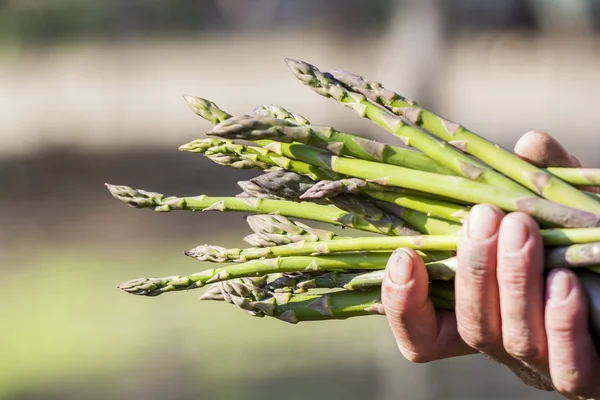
x: 577, y: 176
x: 438, y: 271
x: 157, y: 286
x: 451, y: 187
x: 347, y: 281
x: 422, y: 222
x: 578, y: 255
x: 326, y: 85
x: 521, y: 171
x: 382, y: 220
x: 314, y: 307
x: 427, y: 205
x: 574, y: 256
x: 431, y: 207
x: 310, y: 211
x: 329, y: 189
x: 227, y: 153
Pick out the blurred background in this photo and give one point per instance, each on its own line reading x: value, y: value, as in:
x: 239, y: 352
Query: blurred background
x: 90, y: 92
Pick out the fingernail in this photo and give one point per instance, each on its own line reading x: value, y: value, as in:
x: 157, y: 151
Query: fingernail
x: 514, y: 234
x: 482, y: 223
x: 401, y: 271
x: 560, y: 286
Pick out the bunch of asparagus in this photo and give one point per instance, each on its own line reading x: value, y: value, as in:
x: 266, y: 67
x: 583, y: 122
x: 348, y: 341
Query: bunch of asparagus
x: 414, y: 197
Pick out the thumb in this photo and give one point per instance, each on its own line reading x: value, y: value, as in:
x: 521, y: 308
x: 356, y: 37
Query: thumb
x: 422, y: 334
x: 542, y: 150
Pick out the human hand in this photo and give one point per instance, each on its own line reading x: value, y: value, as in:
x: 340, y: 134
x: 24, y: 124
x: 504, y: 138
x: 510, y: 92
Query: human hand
x: 505, y: 307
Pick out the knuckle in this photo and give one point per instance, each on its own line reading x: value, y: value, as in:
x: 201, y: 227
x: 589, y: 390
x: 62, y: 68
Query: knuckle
x: 415, y: 357
x: 523, y: 343
x: 561, y: 328
x: 518, y: 280
x: 523, y: 351
x: 474, y: 264
x: 478, y: 337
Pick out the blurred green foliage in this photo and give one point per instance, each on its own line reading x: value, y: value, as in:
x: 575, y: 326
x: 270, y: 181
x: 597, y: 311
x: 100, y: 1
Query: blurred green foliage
x: 69, y: 333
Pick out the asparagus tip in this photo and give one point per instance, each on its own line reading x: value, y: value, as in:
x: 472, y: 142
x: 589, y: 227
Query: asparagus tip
x: 185, y: 147
x: 299, y: 67
x: 195, y: 102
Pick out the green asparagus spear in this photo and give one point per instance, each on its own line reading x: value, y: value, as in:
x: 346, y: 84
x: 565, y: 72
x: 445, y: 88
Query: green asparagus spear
x: 427, y: 205
x: 578, y: 255
x: 227, y: 153
x: 314, y: 307
x: 577, y: 176
x: 448, y: 156
x: 310, y: 211
x: 437, y: 270
x: 437, y: 208
x: 420, y: 221
x: 502, y: 160
x: 335, y: 262
x: 551, y: 237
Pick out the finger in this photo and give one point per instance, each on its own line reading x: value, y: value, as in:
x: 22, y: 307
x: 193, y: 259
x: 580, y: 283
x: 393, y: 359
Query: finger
x: 591, y: 284
x: 520, y: 281
x: 477, y: 298
x: 573, y: 360
x: 542, y: 150
x: 422, y: 333
x: 477, y: 294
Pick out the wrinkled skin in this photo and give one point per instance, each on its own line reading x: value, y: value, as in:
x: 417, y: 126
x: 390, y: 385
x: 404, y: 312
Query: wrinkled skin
x: 506, y: 308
